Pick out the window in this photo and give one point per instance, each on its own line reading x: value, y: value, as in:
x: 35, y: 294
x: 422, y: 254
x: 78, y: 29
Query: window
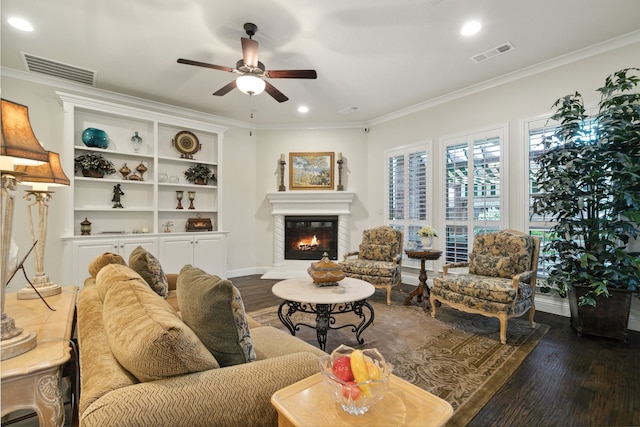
x: 408, y: 205
x: 474, y: 190
x: 537, y: 131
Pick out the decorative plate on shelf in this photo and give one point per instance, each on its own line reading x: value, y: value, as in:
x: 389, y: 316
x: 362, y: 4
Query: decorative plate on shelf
x: 186, y: 143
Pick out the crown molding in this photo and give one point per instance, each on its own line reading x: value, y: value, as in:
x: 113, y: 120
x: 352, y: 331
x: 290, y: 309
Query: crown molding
x: 615, y: 43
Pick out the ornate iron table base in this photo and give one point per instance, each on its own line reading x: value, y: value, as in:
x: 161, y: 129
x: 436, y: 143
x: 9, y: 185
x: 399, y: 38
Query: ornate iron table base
x: 325, y: 318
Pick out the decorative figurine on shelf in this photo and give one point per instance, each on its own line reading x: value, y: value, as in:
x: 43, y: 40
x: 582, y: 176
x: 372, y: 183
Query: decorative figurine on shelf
x: 125, y: 171
x: 117, y: 192
x: 179, y: 195
x: 340, y: 162
x: 85, y: 227
x: 192, y: 197
x: 167, y: 226
x: 136, y: 141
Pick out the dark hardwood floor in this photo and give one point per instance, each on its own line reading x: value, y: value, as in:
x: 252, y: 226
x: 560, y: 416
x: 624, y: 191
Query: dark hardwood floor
x: 567, y: 380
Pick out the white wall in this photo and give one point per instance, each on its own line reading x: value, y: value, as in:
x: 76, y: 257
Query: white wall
x: 251, y: 169
x: 352, y: 143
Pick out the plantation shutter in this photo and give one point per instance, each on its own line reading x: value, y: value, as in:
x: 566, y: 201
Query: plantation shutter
x: 408, y: 191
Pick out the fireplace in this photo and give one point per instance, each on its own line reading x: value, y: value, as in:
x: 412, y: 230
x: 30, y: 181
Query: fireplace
x: 308, y: 204
x: 308, y: 237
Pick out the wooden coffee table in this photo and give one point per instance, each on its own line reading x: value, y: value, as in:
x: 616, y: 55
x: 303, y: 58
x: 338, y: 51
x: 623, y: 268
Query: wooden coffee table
x: 302, y: 295
x: 307, y: 404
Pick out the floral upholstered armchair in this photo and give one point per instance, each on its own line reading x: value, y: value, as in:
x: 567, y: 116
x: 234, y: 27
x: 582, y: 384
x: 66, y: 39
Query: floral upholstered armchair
x: 501, y: 279
x: 378, y: 259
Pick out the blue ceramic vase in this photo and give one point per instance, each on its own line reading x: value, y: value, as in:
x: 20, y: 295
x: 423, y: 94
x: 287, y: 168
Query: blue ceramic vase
x: 96, y: 138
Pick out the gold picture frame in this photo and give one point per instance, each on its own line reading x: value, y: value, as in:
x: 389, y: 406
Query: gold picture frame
x: 311, y: 171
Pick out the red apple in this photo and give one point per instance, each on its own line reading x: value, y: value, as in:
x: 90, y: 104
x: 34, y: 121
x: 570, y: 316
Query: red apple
x: 352, y: 390
x: 342, y: 368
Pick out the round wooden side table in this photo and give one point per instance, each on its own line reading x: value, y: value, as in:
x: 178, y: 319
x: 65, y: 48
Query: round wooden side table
x: 422, y: 288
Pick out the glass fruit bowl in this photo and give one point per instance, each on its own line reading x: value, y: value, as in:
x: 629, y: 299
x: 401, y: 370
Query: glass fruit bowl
x: 355, y: 384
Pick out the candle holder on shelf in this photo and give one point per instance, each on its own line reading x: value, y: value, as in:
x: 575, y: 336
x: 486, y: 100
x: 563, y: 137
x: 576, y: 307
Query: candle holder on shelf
x: 179, y: 195
x: 340, y: 162
x: 282, y: 163
x: 142, y: 169
x: 125, y: 171
x: 192, y: 196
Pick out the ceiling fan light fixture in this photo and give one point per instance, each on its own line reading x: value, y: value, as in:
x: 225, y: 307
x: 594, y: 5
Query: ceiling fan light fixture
x: 251, y: 85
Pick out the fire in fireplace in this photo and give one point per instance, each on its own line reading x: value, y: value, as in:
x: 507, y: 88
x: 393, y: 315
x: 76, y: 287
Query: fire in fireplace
x: 308, y: 237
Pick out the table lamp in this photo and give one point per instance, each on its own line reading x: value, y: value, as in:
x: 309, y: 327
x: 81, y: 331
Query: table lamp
x: 41, y: 177
x: 18, y: 146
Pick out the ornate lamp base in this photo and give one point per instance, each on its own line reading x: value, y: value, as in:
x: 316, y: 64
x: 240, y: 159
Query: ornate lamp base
x: 20, y: 342
x: 43, y: 285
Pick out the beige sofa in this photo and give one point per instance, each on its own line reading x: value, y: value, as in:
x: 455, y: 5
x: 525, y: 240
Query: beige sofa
x: 237, y: 395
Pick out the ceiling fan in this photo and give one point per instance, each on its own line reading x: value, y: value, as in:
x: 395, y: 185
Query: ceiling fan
x: 252, y: 72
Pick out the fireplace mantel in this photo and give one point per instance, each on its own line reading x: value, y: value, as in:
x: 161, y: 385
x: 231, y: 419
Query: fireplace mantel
x: 306, y: 203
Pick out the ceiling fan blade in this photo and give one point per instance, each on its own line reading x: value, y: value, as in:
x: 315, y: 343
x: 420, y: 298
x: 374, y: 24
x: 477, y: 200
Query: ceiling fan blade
x: 249, y: 52
x: 204, y: 64
x: 225, y: 89
x: 292, y: 74
x: 275, y: 93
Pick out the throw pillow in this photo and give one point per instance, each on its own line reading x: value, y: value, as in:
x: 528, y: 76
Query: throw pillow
x: 376, y: 252
x: 148, y: 266
x: 213, y: 308
x: 144, y: 332
x: 105, y: 259
x: 498, y: 266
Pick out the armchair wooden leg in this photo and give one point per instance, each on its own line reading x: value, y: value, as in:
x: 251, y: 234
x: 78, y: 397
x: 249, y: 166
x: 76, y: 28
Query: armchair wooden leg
x: 389, y: 295
x: 503, y: 328
x: 532, y: 312
x: 432, y: 300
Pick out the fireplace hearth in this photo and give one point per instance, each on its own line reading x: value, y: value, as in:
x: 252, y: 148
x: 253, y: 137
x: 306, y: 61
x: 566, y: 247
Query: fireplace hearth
x: 308, y: 237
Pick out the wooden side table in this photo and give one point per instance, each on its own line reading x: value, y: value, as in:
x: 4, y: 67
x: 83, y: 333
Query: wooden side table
x: 307, y: 404
x: 32, y: 380
x: 422, y: 288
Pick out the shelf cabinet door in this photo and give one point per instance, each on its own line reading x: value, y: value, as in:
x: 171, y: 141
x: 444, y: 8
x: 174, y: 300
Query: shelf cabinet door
x: 210, y: 254
x: 205, y: 251
x: 125, y: 247
x: 85, y: 252
x: 175, y: 252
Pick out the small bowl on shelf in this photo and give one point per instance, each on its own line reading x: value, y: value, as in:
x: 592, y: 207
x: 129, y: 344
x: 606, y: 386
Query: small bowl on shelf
x: 355, y: 397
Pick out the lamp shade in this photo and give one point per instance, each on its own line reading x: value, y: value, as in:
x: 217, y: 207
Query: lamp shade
x: 17, y: 138
x: 49, y: 173
x: 250, y: 85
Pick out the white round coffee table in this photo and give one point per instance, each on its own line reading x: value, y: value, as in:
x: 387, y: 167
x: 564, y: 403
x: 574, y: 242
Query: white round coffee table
x: 302, y: 295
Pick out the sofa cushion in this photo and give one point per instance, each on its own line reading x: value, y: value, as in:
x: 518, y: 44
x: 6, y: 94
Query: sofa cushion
x: 105, y: 259
x: 369, y: 268
x: 376, y: 252
x: 144, y: 332
x: 498, y: 266
x: 148, y: 266
x: 213, y: 308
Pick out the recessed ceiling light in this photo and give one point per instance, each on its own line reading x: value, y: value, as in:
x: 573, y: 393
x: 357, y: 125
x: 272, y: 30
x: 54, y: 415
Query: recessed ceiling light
x: 470, y: 28
x: 20, y: 24
x: 303, y: 109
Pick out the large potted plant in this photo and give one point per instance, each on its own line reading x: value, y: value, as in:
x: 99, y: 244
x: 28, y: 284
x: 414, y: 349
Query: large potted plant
x: 93, y: 165
x: 588, y: 181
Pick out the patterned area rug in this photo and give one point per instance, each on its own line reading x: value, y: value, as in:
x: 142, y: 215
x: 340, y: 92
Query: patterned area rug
x: 456, y: 356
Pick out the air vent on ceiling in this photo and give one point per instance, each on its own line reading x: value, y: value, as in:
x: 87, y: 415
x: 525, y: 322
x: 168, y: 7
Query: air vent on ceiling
x: 499, y: 50
x: 58, y: 69
x: 348, y: 110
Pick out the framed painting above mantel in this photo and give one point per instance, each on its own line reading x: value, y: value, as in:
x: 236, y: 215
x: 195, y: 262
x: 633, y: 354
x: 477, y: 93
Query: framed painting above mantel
x: 311, y: 171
